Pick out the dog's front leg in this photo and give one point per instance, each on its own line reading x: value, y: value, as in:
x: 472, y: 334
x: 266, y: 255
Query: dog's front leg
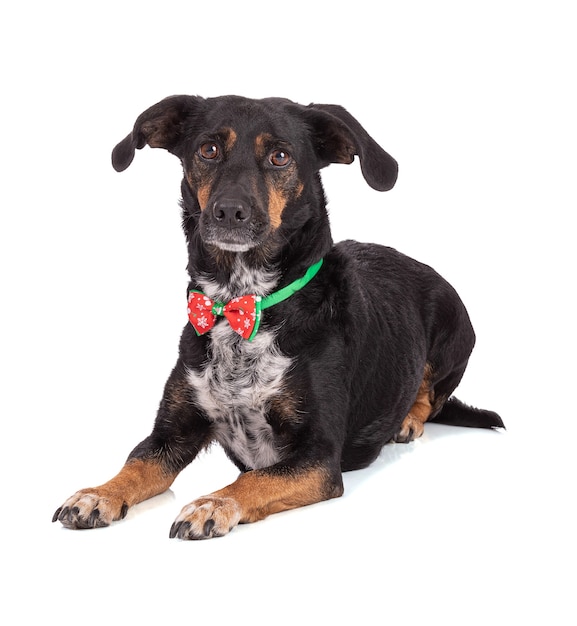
x: 94, y: 507
x: 254, y: 496
x: 179, y: 433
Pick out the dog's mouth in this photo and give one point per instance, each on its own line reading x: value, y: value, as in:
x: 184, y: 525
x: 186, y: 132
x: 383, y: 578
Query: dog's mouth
x: 230, y: 239
x: 233, y: 225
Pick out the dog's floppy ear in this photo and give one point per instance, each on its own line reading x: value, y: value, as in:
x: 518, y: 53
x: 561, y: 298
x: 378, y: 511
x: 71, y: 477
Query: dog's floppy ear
x: 159, y: 126
x: 338, y: 137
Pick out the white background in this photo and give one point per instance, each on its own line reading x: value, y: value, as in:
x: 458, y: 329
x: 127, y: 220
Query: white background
x: 476, y: 100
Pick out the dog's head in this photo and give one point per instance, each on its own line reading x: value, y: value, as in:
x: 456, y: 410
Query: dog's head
x: 251, y: 166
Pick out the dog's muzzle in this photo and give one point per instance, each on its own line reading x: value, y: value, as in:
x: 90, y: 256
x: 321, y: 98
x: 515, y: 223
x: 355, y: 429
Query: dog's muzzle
x: 230, y: 222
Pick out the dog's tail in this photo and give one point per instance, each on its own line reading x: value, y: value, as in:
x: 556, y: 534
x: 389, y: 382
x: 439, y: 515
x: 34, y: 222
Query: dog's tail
x: 457, y: 413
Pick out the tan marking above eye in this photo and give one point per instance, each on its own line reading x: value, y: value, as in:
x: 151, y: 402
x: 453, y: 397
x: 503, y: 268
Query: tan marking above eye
x: 230, y: 140
x: 260, y: 144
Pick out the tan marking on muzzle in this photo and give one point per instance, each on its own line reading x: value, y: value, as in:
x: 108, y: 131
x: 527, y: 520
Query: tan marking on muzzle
x: 276, y: 204
x: 203, y: 195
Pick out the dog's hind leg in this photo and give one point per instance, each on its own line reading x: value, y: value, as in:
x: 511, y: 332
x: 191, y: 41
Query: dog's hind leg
x: 414, y: 423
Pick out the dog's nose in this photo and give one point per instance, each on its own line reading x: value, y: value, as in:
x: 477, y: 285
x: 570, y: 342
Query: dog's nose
x: 231, y: 213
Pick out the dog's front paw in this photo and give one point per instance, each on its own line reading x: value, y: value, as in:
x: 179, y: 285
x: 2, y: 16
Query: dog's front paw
x: 89, y: 509
x: 206, y: 517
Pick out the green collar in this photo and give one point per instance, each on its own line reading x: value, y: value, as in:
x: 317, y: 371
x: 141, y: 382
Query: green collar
x: 244, y: 312
x: 289, y: 290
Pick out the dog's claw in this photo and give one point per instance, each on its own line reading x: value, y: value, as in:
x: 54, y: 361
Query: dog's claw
x: 208, y: 526
x: 180, y: 530
x: 56, y: 514
x: 174, y: 529
x: 93, y: 519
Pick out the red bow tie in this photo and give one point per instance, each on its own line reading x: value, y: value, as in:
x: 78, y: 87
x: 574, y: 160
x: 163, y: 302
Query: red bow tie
x: 243, y: 314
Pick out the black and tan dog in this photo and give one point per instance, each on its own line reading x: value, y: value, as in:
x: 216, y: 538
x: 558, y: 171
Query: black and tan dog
x: 327, y: 351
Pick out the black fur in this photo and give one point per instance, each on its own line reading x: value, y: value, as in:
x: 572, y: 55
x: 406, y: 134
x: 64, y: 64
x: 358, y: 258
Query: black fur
x: 364, y: 337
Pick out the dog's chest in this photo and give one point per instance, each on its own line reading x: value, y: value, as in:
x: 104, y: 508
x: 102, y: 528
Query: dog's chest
x: 234, y: 388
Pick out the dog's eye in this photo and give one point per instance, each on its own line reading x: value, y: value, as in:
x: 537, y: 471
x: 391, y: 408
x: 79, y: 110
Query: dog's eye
x: 279, y: 158
x: 208, y: 150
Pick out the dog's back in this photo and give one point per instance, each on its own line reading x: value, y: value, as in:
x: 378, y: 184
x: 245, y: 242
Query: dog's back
x: 398, y: 306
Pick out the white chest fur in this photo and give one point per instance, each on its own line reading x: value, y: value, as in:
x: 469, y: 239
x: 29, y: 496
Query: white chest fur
x: 235, y: 387
x: 236, y: 384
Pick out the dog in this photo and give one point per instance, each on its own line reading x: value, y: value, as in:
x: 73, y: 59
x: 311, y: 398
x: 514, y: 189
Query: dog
x: 300, y: 357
